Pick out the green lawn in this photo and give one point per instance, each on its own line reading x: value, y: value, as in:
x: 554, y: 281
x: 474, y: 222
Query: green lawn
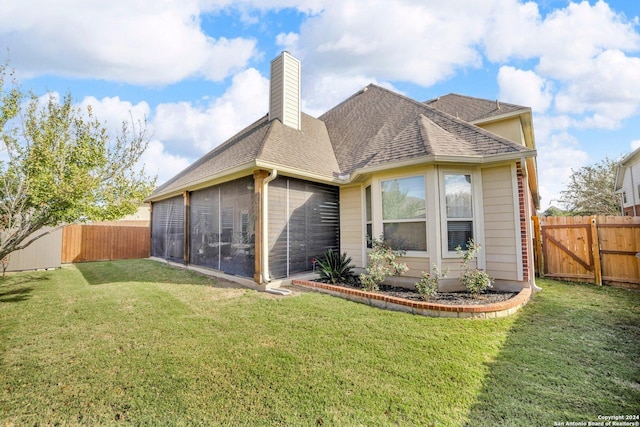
x: 138, y: 342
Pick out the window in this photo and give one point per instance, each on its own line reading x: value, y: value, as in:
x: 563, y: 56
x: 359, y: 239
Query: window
x: 459, y: 209
x: 404, y: 214
x: 624, y: 197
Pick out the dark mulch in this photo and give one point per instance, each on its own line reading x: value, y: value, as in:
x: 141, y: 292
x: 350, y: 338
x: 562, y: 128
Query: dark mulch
x: 453, y: 298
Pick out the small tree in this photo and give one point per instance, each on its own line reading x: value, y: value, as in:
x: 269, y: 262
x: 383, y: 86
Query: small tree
x: 590, y: 190
x: 59, y: 166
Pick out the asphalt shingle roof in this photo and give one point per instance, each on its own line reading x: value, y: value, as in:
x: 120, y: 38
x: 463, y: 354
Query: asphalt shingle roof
x: 471, y: 109
x: 378, y: 126
x: 374, y: 127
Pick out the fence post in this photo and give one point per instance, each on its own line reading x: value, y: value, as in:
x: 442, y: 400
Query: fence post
x: 595, y: 249
x: 538, y: 245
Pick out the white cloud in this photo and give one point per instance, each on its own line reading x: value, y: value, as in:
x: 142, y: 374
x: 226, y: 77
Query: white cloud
x: 138, y: 41
x: 160, y: 163
x: 524, y: 88
x: 182, y: 132
x: 635, y: 144
x: 111, y: 111
x: 193, y: 130
x: 583, y: 49
x: 556, y: 159
x: 609, y: 90
x: 324, y: 92
x: 414, y: 41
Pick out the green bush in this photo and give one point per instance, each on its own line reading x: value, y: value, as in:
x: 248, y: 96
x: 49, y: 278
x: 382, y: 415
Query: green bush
x: 474, y: 279
x: 427, y: 287
x: 335, y: 268
x: 382, y: 263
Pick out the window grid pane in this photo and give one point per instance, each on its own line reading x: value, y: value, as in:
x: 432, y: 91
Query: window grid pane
x: 403, y: 198
x: 410, y: 236
x: 457, y: 189
x: 458, y: 234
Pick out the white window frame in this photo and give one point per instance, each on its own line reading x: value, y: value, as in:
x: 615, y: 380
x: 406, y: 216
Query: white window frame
x: 476, y: 207
x: 377, y: 215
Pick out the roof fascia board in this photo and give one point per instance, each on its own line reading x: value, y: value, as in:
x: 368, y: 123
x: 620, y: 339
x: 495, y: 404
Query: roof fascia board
x: 475, y: 160
x: 223, y: 176
x: 300, y: 173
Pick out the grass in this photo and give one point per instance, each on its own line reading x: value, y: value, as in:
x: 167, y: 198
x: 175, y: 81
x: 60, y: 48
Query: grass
x: 138, y: 342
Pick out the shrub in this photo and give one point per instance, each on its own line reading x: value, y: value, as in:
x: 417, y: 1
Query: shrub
x: 335, y: 268
x: 382, y: 263
x: 474, y: 279
x: 427, y: 287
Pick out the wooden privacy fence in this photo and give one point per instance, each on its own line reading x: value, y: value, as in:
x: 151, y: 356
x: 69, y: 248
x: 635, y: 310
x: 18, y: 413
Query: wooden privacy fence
x: 597, y: 249
x: 104, y: 242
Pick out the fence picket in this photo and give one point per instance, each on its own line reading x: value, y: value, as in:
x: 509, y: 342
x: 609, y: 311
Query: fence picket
x: 598, y: 249
x: 104, y: 242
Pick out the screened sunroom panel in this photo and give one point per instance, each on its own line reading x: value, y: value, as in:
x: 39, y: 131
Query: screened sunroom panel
x: 303, y: 224
x: 277, y: 223
x: 167, y: 234
x: 205, y: 228
x: 237, y: 227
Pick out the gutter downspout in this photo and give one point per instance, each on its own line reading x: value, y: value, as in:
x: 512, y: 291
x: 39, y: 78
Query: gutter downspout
x: 265, y: 230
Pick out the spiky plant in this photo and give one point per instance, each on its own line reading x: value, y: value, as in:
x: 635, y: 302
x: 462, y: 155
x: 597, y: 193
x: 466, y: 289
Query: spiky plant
x: 335, y: 268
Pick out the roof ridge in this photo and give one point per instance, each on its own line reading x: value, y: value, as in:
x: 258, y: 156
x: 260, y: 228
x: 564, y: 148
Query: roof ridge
x: 523, y: 107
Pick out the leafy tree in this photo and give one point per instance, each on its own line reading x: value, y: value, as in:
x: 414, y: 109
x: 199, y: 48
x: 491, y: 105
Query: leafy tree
x: 58, y: 166
x: 554, y: 211
x: 590, y: 190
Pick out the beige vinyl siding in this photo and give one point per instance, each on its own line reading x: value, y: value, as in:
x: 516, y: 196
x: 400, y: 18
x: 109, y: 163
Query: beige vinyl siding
x: 499, y: 223
x: 276, y: 90
x: 284, y: 96
x: 351, y: 224
x: 416, y: 265
x: 510, y: 129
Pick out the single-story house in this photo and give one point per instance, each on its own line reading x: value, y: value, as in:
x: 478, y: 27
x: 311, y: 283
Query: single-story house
x: 428, y: 176
x: 627, y: 183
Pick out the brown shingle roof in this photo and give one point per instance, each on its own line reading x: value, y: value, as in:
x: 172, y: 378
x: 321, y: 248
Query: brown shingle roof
x: 378, y: 126
x: 472, y: 109
x: 308, y: 150
x: 372, y: 128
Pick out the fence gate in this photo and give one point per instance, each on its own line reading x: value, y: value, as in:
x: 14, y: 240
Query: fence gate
x: 589, y: 249
x: 568, y: 250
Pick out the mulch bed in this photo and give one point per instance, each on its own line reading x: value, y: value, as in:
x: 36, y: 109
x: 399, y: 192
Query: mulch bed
x: 452, y: 298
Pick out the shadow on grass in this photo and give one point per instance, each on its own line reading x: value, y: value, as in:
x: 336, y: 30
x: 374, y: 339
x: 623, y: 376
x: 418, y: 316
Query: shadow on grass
x: 14, y: 288
x: 570, y: 356
x: 144, y: 270
x: 15, y: 295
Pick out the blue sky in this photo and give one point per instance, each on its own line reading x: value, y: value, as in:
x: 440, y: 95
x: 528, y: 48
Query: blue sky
x: 198, y: 69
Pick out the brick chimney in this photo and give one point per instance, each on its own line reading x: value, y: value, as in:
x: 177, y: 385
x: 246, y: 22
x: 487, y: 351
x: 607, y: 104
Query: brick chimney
x: 284, y: 92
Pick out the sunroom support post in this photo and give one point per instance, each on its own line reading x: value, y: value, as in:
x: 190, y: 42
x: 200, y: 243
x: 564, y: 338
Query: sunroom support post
x: 258, y: 180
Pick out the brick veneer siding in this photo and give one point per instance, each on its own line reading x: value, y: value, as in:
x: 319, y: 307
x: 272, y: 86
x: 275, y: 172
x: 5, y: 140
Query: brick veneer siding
x: 524, y: 238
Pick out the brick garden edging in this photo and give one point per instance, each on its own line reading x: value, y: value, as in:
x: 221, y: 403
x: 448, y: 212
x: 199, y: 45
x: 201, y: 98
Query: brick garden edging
x: 424, y: 308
